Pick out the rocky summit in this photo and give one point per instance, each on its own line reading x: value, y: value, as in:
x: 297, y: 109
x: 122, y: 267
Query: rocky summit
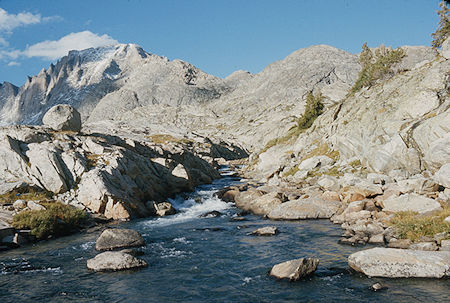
x: 116, y: 131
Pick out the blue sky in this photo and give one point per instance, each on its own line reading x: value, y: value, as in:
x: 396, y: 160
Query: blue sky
x: 217, y: 36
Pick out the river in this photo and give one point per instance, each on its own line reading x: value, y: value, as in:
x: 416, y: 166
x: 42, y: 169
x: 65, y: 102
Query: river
x: 204, y: 259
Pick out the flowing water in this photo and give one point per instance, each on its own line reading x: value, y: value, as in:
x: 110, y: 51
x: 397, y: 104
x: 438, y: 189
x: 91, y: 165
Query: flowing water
x: 204, y: 259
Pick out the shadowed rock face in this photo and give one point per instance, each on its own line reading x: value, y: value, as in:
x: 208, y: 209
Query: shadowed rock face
x: 108, y: 175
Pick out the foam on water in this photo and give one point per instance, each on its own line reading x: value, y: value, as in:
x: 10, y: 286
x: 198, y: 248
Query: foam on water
x: 189, y: 209
x: 182, y: 240
x: 167, y: 252
x: 23, y: 266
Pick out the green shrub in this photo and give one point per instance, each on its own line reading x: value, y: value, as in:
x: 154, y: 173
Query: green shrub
x: 313, y: 109
x: 57, y: 219
x: 410, y: 225
x: 376, y: 65
x: 443, y: 30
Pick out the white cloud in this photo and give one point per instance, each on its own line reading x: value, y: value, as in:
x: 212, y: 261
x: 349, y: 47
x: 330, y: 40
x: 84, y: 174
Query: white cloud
x: 52, y: 19
x: 9, y: 54
x: 55, y: 49
x: 8, y: 22
x: 13, y: 63
x: 3, y: 42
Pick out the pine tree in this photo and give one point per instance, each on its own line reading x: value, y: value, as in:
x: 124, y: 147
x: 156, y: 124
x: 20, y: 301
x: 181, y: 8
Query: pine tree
x: 443, y: 30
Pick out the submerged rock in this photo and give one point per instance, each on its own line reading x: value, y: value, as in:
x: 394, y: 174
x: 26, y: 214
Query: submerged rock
x: 212, y: 214
x: 295, y: 269
x: 118, y: 238
x: 377, y: 287
x: 265, y: 231
x: 114, y: 261
x: 401, y: 263
x: 164, y: 209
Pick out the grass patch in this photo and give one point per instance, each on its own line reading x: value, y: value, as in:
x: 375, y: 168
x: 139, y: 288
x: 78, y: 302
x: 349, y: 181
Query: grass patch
x: 323, y: 150
x: 355, y: 163
x: 410, y: 225
x: 58, y: 219
x: 291, y: 135
x: 292, y: 171
x: 25, y: 193
x: 376, y: 65
x: 334, y: 172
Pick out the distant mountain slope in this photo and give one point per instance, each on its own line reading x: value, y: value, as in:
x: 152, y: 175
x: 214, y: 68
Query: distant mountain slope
x: 104, y: 82
x: 122, y: 88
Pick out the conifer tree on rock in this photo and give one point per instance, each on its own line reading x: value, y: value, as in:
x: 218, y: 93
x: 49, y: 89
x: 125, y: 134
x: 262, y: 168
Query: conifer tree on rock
x: 443, y: 30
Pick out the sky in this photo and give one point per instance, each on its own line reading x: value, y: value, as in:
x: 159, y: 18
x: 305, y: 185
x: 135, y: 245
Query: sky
x: 218, y: 36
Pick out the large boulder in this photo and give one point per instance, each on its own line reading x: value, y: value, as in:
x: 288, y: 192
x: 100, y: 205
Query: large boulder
x: 401, y: 263
x: 442, y: 176
x: 62, y: 117
x: 411, y: 202
x: 312, y: 208
x: 295, y: 269
x: 114, y: 260
x: 257, y: 203
x: 118, y: 238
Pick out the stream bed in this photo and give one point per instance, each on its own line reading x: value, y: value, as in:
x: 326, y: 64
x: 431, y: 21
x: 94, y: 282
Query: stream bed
x: 204, y: 259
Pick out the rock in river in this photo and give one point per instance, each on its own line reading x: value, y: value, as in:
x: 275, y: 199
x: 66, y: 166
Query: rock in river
x: 294, y: 269
x: 312, y: 208
x: 265, y: 231
x: 118, y: 238
x: 401, y: 263
x: 114, y: 260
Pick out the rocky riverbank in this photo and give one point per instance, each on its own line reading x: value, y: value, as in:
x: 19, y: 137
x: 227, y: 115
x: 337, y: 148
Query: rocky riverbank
x: 372, y: 156
x: 107, y: 176
x: 370, y: 209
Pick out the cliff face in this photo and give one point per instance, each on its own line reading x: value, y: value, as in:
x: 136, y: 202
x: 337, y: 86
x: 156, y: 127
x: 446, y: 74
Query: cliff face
x: 401, y: 122
x: 398, y: 123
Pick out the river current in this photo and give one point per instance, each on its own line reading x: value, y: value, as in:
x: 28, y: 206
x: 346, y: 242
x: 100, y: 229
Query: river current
x: 204, y: 259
